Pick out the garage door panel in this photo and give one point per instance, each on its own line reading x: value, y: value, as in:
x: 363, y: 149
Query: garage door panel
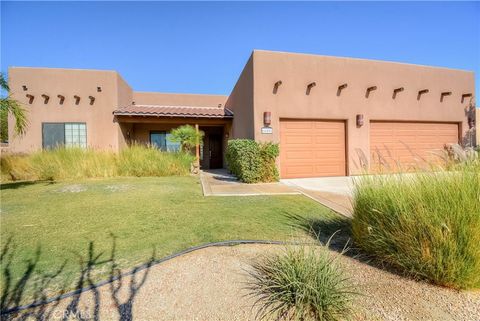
x: 299, y: 155
x: 298, y: 125
x: 407, y: 144
x: 310, y: 148
x: 299, y: 139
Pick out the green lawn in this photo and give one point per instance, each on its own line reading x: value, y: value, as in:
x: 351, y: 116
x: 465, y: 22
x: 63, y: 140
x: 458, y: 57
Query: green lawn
x: 167, y: 214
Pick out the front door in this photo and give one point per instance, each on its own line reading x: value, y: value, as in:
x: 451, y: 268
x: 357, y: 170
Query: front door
x: 215, y: 150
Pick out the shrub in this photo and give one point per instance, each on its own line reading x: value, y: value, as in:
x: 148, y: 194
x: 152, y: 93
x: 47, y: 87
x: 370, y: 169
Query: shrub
x: 427, y: 224
x: 251, y: 161
x: 77, y: 163
x: 300, y: 284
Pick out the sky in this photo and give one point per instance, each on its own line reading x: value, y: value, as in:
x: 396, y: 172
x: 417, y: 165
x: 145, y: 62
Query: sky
x: 201, y: 47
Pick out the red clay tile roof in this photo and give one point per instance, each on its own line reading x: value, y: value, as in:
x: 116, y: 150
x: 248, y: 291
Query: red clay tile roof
x: 174, y: 111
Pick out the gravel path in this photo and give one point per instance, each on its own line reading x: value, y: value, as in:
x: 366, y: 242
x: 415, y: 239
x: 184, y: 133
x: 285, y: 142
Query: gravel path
x: 209, y: 285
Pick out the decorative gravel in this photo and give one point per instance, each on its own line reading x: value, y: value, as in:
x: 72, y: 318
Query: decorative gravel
x: 210, y: 285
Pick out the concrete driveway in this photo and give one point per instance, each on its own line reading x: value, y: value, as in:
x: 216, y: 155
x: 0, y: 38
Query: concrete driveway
x: 333, y: 192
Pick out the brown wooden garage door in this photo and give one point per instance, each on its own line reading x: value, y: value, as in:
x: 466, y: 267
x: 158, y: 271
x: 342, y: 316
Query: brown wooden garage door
x: 403, y: 146
x: 310, y: 148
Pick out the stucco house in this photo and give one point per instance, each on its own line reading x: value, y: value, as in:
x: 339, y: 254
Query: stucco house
x: 331, y: 116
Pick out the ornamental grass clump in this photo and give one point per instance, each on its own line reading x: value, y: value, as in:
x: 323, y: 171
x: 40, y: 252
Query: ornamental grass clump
x: 67, y: 163
x: 303, y: 283
x: 138, y: 160
x: 427, y: 223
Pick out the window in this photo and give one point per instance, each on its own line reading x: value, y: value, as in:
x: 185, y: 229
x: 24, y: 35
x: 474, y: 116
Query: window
x: 64, y: 134
x: 76, y: 135
x: 161, y: 140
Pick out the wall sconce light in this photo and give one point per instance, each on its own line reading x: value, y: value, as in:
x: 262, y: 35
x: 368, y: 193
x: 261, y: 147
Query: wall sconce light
x: 340, y: 88
x: 310, y: 86
x: 444, y: 94
x: 62, y: 99
x: 466, y: 96
x: 276, y: 85
x: 92, y: 99
x: 24, y: 88
x: 360, y: 121
x: 421, y: 92
x: 133, y: 103
x: 267, y: 118
x: 46, y: 98
x: 396, y: 91
x: 77, y: 99
x: 30, y: 98
x: 99, y: 89
x: 128, y: 134
x: 219, y: 105
x: 369, y: 89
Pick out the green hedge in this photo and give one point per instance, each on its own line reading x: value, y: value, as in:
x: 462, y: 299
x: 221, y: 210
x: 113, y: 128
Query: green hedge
x: 252, y: 162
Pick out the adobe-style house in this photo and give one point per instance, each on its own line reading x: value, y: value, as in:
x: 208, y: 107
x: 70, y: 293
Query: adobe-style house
x: 331, y: 116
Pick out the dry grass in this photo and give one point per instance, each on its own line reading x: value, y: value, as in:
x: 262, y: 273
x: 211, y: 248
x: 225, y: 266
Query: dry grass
x: 77, y: 163
x: 427, y: 223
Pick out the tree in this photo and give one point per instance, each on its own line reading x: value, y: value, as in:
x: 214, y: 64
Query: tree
x: 187, y: 136
x: 10, y: 106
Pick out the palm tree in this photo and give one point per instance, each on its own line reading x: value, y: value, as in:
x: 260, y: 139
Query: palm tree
x: 9, y: 105
x: 187, y: 136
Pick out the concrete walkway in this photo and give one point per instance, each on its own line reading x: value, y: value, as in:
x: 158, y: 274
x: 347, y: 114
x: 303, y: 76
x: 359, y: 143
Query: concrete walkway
x: 219, y: 182
x: 333, y: 192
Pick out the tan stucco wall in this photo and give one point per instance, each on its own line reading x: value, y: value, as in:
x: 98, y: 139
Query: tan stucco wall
x: 297, y: 70
x: 124, y: 98
x: 172, y: 99
x: 240, y: 102
x: 102, y: 132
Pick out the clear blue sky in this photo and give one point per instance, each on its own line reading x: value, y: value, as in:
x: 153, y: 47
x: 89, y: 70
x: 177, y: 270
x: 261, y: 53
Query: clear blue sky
x: 201, y: 47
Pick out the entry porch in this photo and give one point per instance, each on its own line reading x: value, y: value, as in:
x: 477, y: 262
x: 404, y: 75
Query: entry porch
x: 155, y: 131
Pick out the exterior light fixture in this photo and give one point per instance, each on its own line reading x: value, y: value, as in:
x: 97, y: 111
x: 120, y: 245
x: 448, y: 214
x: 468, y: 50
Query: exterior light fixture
x: 360, y: 121
x: 340, y: 88
x: 77, y: 99
x: 369, y: 89
x: 444, y: 94
x: 46, y: 98
x: 267, y: 118
x: 276, y: 85
x: 396, y: 91
x: 99, y: 89
x: 466, y: 96
x: 24, y: 88
x: 30, y: 98
x: 421, y: 92
x: 61, y: 98
x: 310, y: 86
x: 219, y: 105
x: 92, y: 99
